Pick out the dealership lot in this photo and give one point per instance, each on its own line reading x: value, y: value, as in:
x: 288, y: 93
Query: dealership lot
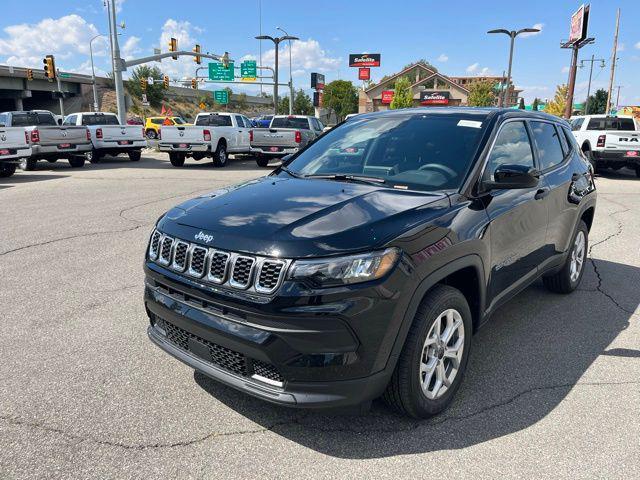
x: 552, y: 389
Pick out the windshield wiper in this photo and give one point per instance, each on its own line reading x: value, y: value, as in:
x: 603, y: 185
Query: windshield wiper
x: 290, y: 172
x: 348, y: 178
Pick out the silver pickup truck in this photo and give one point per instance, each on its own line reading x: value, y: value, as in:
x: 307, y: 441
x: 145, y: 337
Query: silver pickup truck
x: 14, y: 145
x: 286, y: 134
x: 108, y: 137
x: 49, y: 141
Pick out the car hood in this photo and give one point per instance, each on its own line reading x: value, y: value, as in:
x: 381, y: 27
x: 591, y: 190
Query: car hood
x: 295, y: 218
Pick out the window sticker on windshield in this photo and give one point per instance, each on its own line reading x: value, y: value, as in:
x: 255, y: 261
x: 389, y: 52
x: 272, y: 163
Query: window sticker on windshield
x: 469, y: 123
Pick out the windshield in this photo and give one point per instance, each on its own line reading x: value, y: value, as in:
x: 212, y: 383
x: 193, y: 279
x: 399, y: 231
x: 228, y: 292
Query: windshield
x: 416, y: 151
x: 290, y: 122
x: 30, y: 119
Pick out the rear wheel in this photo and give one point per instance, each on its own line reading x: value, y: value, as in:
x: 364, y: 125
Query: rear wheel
x: 262, y: 161
x: 28, y: 164
x: 93, y: 156
x: 638, y: 171
x: 135, y: 155
x: 7, y: 169
x: 77, y: 161
x: 434, y: 356
x: 569, y: 277
x: 176, y: 159
x: 592, y: 161
x: 220, y: 157
x: 151, y: 134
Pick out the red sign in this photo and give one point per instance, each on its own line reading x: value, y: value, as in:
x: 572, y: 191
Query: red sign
x: 364, y: 73
x: 387, y: 96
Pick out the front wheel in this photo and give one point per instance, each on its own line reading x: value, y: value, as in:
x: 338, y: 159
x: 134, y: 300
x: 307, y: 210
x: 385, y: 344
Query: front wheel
x: 220, y: 156
x: 151, y: 134
x: 7, y: 169
x: 569, y: 277
x: 176, y: 159
x: 135, y: 155
x: 434, y: 356
x: 28, y: 164
x: 76, y: 161
x: 93, y: 156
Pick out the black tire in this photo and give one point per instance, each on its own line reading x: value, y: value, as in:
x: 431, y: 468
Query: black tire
x: 7, y: 169
x: 93, y: 156
x: 404, y: 392
x: 135, y: 155
x: 562, y: 282
x: 638, y: 171
x: 28, y: 164
x: 199, y: 156
x: 76, y: 161
x: 52, y: 160
x: 151, y: 134
x: 220, y: 157
x: 262, y: 161
x: 176, y: 159
x: 592, y: 161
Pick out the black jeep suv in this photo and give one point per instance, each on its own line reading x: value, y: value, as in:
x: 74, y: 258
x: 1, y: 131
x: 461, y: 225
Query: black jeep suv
x: 362, y: 266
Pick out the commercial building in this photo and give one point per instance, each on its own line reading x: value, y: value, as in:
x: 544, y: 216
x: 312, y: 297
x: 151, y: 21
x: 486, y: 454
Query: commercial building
x: 429, y: 88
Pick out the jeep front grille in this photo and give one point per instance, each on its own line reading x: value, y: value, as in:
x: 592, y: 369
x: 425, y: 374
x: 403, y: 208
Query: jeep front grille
x: 242, y: 272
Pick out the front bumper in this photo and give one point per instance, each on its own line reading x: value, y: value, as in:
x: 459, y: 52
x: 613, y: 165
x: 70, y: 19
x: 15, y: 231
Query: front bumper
x: 287, y: 349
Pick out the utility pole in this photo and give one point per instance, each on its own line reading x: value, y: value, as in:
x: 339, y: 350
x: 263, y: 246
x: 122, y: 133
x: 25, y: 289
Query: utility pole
x: 575, y: 48
x: 61, y: 98
x: 593, y: 59
x: 613, y: 63
x: 117, y: 63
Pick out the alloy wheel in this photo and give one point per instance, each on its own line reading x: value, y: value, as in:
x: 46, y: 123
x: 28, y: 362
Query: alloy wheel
x: 577, y: 256
x: 442, y: 354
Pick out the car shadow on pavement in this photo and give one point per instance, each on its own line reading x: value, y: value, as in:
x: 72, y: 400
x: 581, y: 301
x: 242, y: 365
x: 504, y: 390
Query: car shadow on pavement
x: 25, y: 177
x: 524, y: 362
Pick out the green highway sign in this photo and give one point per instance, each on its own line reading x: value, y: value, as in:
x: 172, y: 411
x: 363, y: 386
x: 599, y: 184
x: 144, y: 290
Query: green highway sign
x: 218, y: 72
x: 248, y: 71
x: 65, y: 75
x: 221, y: 96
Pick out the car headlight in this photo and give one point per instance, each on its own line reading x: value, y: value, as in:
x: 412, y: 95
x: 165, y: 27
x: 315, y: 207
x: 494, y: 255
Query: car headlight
x: 329, y: 272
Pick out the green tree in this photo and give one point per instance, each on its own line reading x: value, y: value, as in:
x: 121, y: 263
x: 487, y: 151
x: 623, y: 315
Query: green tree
x: 341, y: 98
x: 155, y: 92
x: 302, y: 104
x: 481, y: 94
x: 403, y: 96
x: 283, y: 106
x: 521, y: 104
x: 597, y: 102
x: 559, y: 102
x: 422, y: 61
x: 535, y: 104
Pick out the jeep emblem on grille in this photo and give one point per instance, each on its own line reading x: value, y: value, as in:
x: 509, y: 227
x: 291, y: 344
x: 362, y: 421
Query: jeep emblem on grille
x: 203, y: 237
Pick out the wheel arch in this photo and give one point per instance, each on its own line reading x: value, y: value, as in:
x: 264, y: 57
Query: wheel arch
x: 586, y: 146
x: 587, y: 216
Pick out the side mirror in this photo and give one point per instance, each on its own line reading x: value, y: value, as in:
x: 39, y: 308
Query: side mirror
x: 513, y: 177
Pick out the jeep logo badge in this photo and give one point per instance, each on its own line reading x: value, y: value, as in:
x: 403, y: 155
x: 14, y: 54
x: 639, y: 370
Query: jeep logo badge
x: 203, y: 237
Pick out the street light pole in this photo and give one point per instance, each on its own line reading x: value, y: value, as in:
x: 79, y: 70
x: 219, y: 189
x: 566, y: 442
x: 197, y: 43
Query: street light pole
x: 512, y: 35
x: 93, y: 73
x: 117, y: 66
x: 290, y: 74
x: 593, y: 59
x: 276, y: 42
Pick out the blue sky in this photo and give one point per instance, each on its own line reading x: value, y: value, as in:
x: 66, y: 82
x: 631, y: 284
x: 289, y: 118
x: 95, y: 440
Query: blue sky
x: 450, y: 35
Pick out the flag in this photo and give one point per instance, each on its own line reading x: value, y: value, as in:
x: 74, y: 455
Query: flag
x: 163, y: 111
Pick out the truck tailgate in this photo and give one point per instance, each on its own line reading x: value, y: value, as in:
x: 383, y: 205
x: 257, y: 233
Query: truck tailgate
x: 12, y: 138
x: 62, y: 135
x: 267, y: 137
x: 188, y: 134
x: 617, y: 140
x: 111, y: 133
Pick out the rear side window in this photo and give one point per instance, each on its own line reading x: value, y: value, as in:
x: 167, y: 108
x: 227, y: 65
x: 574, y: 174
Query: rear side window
x: 214, y: 120
x: 611, y: 123
x: 70, y: 120
x: 100, y: 120
x: 512, y: 147
x: 157, y: 121
x: 548, y: 145
x: 290, y: 122
x: 3, y: 119
x: 46, y: 119
x: 178, y: 121
x: 576, y: 124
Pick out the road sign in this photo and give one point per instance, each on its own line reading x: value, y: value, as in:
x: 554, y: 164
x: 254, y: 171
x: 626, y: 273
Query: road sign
x: 218, y: 72
x: 364, y: 73
x: 221, y: 96
x: 65, y: 75
x: 248, y: 71
x: 150, y: 80
x: 144, y: 98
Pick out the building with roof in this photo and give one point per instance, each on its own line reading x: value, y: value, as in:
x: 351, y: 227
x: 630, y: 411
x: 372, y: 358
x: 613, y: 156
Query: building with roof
x: 429, y: 88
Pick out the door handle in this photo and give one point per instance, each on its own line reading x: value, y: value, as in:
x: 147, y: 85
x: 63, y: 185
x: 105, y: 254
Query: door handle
x: 540, y: 194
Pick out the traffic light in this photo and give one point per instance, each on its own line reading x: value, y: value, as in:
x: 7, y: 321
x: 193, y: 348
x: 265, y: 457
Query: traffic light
x: 165, y: 81
x: 49, y: 67
x: 197, y: 58
x: 29, y: 74
x: 194, y: 83
x: 143, y: 84
x: 225, y: 60
x: 173, y: 47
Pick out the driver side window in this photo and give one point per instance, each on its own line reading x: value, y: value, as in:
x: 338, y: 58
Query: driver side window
x: 512, y: 147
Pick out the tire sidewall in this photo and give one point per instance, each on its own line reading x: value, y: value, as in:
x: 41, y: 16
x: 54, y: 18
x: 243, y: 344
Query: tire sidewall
x: 221, y: 152
x: 582, y: 227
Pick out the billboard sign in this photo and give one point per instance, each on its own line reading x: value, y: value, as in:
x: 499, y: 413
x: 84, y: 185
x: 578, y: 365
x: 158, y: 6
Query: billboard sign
x: 364, y: 73
x: 434, y: 98
x: 364, y: 60
x: 387, y: 96
x: 579, y: 24
x: 317, y: 99
x: 317, y: 81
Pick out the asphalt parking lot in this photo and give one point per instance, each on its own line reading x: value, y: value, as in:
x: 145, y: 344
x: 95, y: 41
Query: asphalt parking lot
x: 552, y: 390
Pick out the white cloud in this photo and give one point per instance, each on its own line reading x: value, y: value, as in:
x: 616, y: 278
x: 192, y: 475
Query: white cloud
x: 539, y: 26
x: 443, y: 58
x: 130, y: 48
x: 565, y: 69
x: 184, y: 32
x: 637, y: 45
x: 65, y: 37
x: 473, y: 67
x: 305, y: 55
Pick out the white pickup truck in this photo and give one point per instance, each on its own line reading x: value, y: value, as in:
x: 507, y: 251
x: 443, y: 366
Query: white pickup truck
x: 49, y: 141
x: 214, y: 134
x: 14, y: 145
x: 108, y: 137
x: 286, y: 135
x: 608, y: 141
